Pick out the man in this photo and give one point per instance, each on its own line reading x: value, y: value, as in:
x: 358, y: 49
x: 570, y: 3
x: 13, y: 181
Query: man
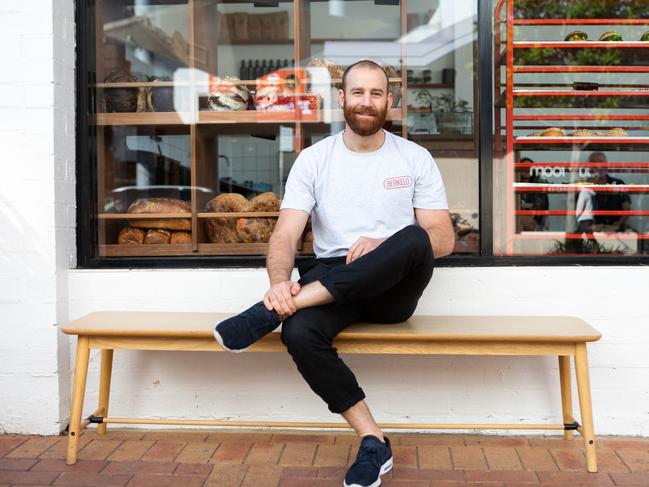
x: 609, y: 200
x: 366, y: 190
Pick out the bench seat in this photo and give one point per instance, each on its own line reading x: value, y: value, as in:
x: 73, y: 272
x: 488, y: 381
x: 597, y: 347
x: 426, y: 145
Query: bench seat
x: 560, y: 336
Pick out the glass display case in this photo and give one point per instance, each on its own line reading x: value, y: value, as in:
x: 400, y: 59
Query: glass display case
x: 199, y: 108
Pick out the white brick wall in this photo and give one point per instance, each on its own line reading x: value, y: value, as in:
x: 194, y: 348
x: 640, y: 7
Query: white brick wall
x: 36, y: 211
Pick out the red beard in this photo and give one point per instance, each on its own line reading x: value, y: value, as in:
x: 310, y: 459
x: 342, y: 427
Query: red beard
x: 365, y: 125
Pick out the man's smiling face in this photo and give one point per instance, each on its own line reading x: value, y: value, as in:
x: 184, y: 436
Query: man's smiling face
x: 365, y: 99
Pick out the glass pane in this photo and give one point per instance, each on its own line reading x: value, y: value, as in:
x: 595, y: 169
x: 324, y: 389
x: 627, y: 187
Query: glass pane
x: 571, y: 159
x: 440, y: 54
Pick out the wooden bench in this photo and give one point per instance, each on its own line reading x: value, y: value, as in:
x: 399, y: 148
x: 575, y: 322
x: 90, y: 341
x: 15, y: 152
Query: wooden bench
x: 421, y: 335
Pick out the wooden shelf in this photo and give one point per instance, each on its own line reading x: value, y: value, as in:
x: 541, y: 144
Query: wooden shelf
x: 581, y: 21
x: 627, y: 93
x: 142, y: 118
x: 239, y: 117
x: 144, y: 250
x: 142, y: 216
x: 240, y: 214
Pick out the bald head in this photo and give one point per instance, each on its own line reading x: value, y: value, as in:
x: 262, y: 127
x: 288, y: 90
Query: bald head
x: 365, y: 64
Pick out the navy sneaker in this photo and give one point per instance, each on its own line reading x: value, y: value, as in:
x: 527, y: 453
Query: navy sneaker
x: 373, y: 460
x: 239, y: 332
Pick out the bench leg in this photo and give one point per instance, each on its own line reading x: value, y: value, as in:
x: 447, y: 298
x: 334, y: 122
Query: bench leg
x: 566, y: 393
x: 78, y: 392
x: 583, y: 387
x: 104, y: 387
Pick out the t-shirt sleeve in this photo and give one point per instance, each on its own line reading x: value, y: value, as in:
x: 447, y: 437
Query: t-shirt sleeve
x: 299, y: 192
x: 429, y: 191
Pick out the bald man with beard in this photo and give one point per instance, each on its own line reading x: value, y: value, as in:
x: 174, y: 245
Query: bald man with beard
x: 380, y: 217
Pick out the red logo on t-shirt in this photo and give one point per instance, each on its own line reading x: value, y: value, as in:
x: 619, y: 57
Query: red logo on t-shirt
x: 397, y: 182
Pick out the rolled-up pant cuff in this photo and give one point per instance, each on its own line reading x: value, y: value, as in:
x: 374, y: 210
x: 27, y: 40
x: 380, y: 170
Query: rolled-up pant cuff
x: 349, y: 401
x: 326, y: 281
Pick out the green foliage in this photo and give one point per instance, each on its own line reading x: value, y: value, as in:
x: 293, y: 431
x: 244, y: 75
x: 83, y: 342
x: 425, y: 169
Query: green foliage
x: 581, y: 9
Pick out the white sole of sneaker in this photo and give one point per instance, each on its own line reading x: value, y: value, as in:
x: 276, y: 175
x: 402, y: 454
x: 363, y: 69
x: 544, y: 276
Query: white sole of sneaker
x: 385, y: 468
x: 219, y: 338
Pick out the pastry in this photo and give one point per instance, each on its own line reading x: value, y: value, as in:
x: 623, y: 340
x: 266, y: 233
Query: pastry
x: 223, y: 230
x: 576, y: 36
x: 308, y: 237
x: 161, y: 205
x: 610, y: 37
x: 181, y: 238
x: 552, y: 132
x: 130, y: 236
x: 617, y: 132
x: 157, y: 236
x: 229, y: 96
x: 583, y: 133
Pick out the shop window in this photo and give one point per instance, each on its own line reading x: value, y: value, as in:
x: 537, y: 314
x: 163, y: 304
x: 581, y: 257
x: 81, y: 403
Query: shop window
x: 571, y: 165
x: 196, y: 111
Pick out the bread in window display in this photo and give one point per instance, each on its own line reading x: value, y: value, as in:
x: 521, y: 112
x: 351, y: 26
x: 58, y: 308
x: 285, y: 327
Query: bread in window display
x: 161, y: 205
x: 223, y: 230
x: 229, y: 95
x: 181, y: 238
x: 617, y: 132
x: 121, y: 100
x: 583, y: 133
x: 131, y: 236
x: 259, y: 230
x: 157, y: 236
x: 551, y: 132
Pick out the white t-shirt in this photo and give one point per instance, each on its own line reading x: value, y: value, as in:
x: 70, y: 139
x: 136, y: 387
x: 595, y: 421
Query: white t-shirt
x: 352, y: 194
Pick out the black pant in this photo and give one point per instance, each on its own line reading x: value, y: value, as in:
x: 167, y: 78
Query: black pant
x: 382, y: 286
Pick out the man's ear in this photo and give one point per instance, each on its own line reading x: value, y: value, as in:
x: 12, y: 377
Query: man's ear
x: 390, y: 99
x: 341, y: 97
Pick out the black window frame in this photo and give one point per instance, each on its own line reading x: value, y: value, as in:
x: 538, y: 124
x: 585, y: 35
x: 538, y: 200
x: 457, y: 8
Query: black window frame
x: 86, y: 176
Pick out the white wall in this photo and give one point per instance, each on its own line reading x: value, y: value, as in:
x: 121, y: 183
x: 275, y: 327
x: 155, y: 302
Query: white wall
x: 439, y: 389
x: 37, y: 202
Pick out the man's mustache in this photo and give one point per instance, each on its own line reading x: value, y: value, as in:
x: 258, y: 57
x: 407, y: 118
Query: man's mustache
x: 366, y: 111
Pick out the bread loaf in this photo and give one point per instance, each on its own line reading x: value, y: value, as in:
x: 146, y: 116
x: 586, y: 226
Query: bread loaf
x: 161, y: 205
x: 181, y: 238
x: 254, y: 230
x: 157, y: 236
x: 130, y: 236
x: 223, y: 230
x: 258, y: 230
x: 265, y: 202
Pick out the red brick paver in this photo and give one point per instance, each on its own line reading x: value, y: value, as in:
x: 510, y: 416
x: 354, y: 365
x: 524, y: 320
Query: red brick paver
x: 243, y: 458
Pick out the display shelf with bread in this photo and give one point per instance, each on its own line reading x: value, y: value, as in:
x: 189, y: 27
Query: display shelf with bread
x: 227, y: 134
x: 572, y: 121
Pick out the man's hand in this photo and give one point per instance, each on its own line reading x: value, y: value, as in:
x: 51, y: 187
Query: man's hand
x: 361, y: 247
x: 280, y: 298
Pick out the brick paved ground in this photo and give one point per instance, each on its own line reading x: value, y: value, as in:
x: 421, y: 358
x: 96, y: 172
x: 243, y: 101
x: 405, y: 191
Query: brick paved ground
x: 314, y: 459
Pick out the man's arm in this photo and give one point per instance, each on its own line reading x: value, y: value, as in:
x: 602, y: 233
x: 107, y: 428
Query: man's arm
x: 280, y: 259
x: 440, y: 230
x: 283, y: 244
